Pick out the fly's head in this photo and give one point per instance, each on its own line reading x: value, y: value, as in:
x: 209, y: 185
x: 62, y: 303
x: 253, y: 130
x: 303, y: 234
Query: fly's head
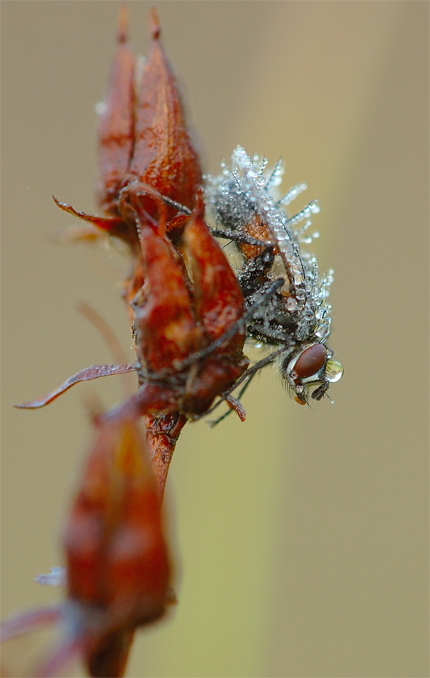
x: 310, y: 370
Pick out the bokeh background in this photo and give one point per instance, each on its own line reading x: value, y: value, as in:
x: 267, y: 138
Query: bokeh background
x: 301, y: 535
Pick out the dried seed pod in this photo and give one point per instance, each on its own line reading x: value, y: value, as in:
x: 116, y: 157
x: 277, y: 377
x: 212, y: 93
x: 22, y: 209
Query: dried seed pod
x: 116, y: 555
x: 115, y: 550
x: 144, y: 139
x: 163, y: 155
x: 116, y: 123
x: 188, y: 335
x: 118, y: 571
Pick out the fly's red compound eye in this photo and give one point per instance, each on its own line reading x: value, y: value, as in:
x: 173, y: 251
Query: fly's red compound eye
x: 309, y: 363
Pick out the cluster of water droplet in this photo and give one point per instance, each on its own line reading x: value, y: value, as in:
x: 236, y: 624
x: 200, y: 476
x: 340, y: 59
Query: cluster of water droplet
x: 247, y: 188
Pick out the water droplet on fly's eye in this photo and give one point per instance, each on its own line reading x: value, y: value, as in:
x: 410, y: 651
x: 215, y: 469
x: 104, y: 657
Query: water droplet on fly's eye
x: 333, y: 370
x: 316, y: 235
x: 252, y: 173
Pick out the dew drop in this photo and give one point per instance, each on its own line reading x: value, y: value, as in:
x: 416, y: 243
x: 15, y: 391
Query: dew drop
x: 333, y: 370
x: 100, y: 108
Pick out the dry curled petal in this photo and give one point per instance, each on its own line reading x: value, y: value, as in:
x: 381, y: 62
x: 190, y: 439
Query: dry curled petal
x: 87, y: 374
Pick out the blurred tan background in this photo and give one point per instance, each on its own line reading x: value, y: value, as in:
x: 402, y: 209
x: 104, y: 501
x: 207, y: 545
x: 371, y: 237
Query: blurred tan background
x: 301, y: 535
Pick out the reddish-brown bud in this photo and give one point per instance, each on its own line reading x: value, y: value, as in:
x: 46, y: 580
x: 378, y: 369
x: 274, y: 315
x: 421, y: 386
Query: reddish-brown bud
x: 143, y: 139
x: 163, y: 155
x: 117, y: 559
x: 218, y: 300
x: 164, y: 324
x: 116, y: 123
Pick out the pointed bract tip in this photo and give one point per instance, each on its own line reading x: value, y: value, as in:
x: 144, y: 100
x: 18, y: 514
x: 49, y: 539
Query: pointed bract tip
x: 154, y: 24
x: 122, y: 35
x: 199, y: 211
